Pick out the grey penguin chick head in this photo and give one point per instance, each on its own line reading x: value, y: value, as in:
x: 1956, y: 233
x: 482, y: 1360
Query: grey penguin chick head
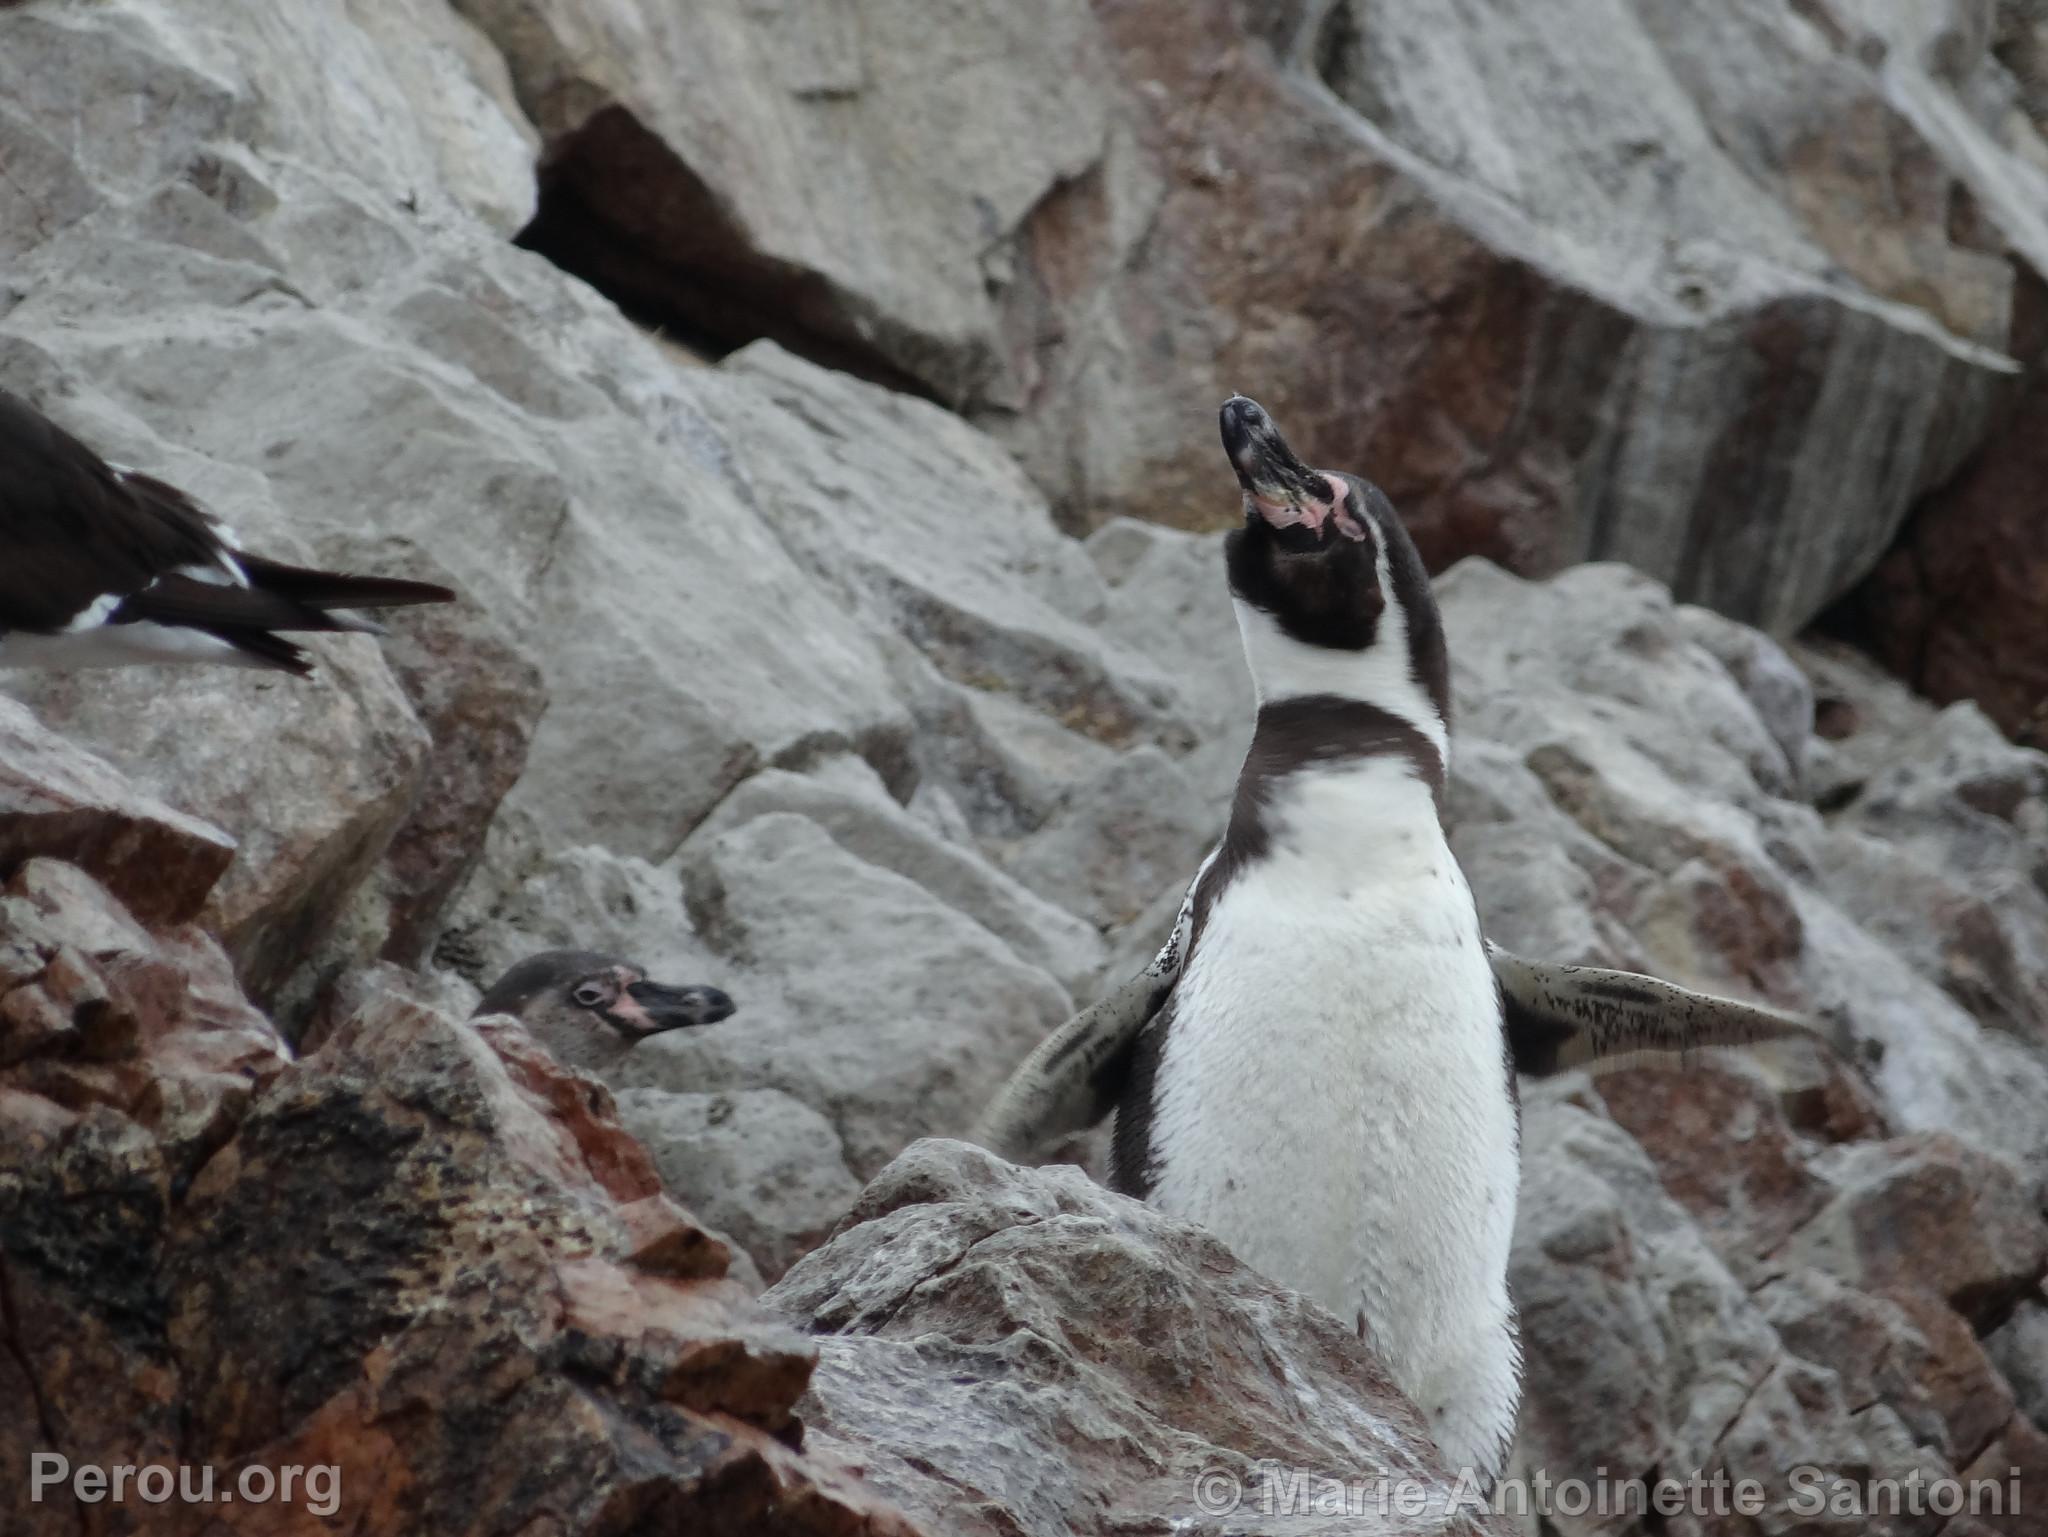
x: 590, y: 1009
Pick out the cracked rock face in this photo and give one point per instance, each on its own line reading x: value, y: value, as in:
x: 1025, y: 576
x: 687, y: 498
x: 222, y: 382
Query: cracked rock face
x: 426, y: 1261
x: 1718, y: 292
x: 1001, y: 1348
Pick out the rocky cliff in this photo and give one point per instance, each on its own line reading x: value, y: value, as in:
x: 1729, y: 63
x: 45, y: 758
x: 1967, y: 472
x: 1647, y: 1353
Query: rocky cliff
x: 788, y: 672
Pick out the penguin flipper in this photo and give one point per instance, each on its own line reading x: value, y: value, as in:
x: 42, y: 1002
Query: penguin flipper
x: 1561, y: 1017
x: 1077, y: 1074
x: 1074, y: 1078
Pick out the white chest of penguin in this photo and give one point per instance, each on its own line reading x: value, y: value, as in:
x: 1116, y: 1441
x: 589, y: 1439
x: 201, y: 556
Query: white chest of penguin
x: 1332, y: 1098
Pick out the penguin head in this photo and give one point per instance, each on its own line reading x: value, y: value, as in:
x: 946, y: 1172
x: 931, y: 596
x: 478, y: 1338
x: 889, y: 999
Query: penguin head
x: 590, y: 1009
x: 1331, y: 596
x: 1307, y: 552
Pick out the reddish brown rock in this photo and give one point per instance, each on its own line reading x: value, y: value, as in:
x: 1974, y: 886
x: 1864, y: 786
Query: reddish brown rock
x: 1869, y: 1342
x: 1973, y: 1399
x: 104, y: 1014
x: 1927, y: 1212
x: 424, y: 1258
x: 1833, y: 1104
x: 2017, y: 1465
x: 480, y: 698
x: 1723, y: 1150
x: 61, y: 802
x: 1959, y: 608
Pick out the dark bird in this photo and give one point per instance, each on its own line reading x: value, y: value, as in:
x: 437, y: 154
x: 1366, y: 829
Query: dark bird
x: 102, y: 566
x: 589, y: 1009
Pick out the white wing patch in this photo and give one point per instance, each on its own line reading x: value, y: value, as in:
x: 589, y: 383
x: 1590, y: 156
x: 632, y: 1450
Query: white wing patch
x: 94, y: 614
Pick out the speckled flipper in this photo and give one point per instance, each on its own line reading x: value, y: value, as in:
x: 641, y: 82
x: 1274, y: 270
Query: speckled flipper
x: 1562, y: 1017
x: 1076, y: 1075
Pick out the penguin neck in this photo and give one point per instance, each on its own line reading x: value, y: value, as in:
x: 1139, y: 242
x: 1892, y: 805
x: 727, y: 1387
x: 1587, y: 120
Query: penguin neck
x: 1377, y: 686
x: 576, y: 1040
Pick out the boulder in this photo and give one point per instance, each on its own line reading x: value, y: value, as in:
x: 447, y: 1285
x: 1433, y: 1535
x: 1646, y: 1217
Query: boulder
x: 759, y: 1165
x: 1957, y: 607
x: 1928, y: 1213
x: 480, y: 698
x: 1567, y: 287
x: 861, y: 181
x: 2019, y: 1346
x: 58, y: 801
x: 424, y: 1265
x: 898, y: 1023
x: 852, y: 803
x: 1020, y: 1351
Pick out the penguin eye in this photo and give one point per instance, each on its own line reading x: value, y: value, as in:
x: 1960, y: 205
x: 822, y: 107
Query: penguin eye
x: 588, y: 995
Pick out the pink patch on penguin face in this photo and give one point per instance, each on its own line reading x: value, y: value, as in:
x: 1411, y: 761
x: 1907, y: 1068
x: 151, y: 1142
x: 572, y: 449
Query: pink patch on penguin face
x: 625, y: 1008
x: 1312, y: 513
x: 1348, y: 524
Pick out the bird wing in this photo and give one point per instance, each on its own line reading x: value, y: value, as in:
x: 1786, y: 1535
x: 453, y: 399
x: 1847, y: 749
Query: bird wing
x: 1077, y: 1074
x: 338, y: 589
x: 1562, y: 1017
x: 180, y: 600
x: 75, y: 530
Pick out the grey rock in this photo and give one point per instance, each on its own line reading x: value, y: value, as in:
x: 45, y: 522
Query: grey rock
x: 1601, y: 1252
x: 59, y: 802
x: 1119, y: 840
x: 1867, y: 1341
x: 467, y: 395
x: 1002, y: 764
x: 895, y: 165
x: 2019, y: 1346
x: 1773, y: 683
x: 859, y: 992
x: 1021, y: 1351
x: 851, y: 802
x: 1662, y: 299
x: 1168, y: 602
x: 761, y: 1167
x: 870, y: 492
x: 585, y: 897
x: 1960, y: 814
x: 1644, y: 1353
x: 479, y: 696
x: 1928, y: 1213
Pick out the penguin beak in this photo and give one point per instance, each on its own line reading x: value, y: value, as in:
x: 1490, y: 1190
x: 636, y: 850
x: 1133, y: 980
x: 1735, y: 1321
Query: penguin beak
x: 649, y: 1008
x: 1279, y: 490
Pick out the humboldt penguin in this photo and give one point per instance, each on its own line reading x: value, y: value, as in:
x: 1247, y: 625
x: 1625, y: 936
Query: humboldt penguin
x: 589, y: 1010
x: 1318, y: 1066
